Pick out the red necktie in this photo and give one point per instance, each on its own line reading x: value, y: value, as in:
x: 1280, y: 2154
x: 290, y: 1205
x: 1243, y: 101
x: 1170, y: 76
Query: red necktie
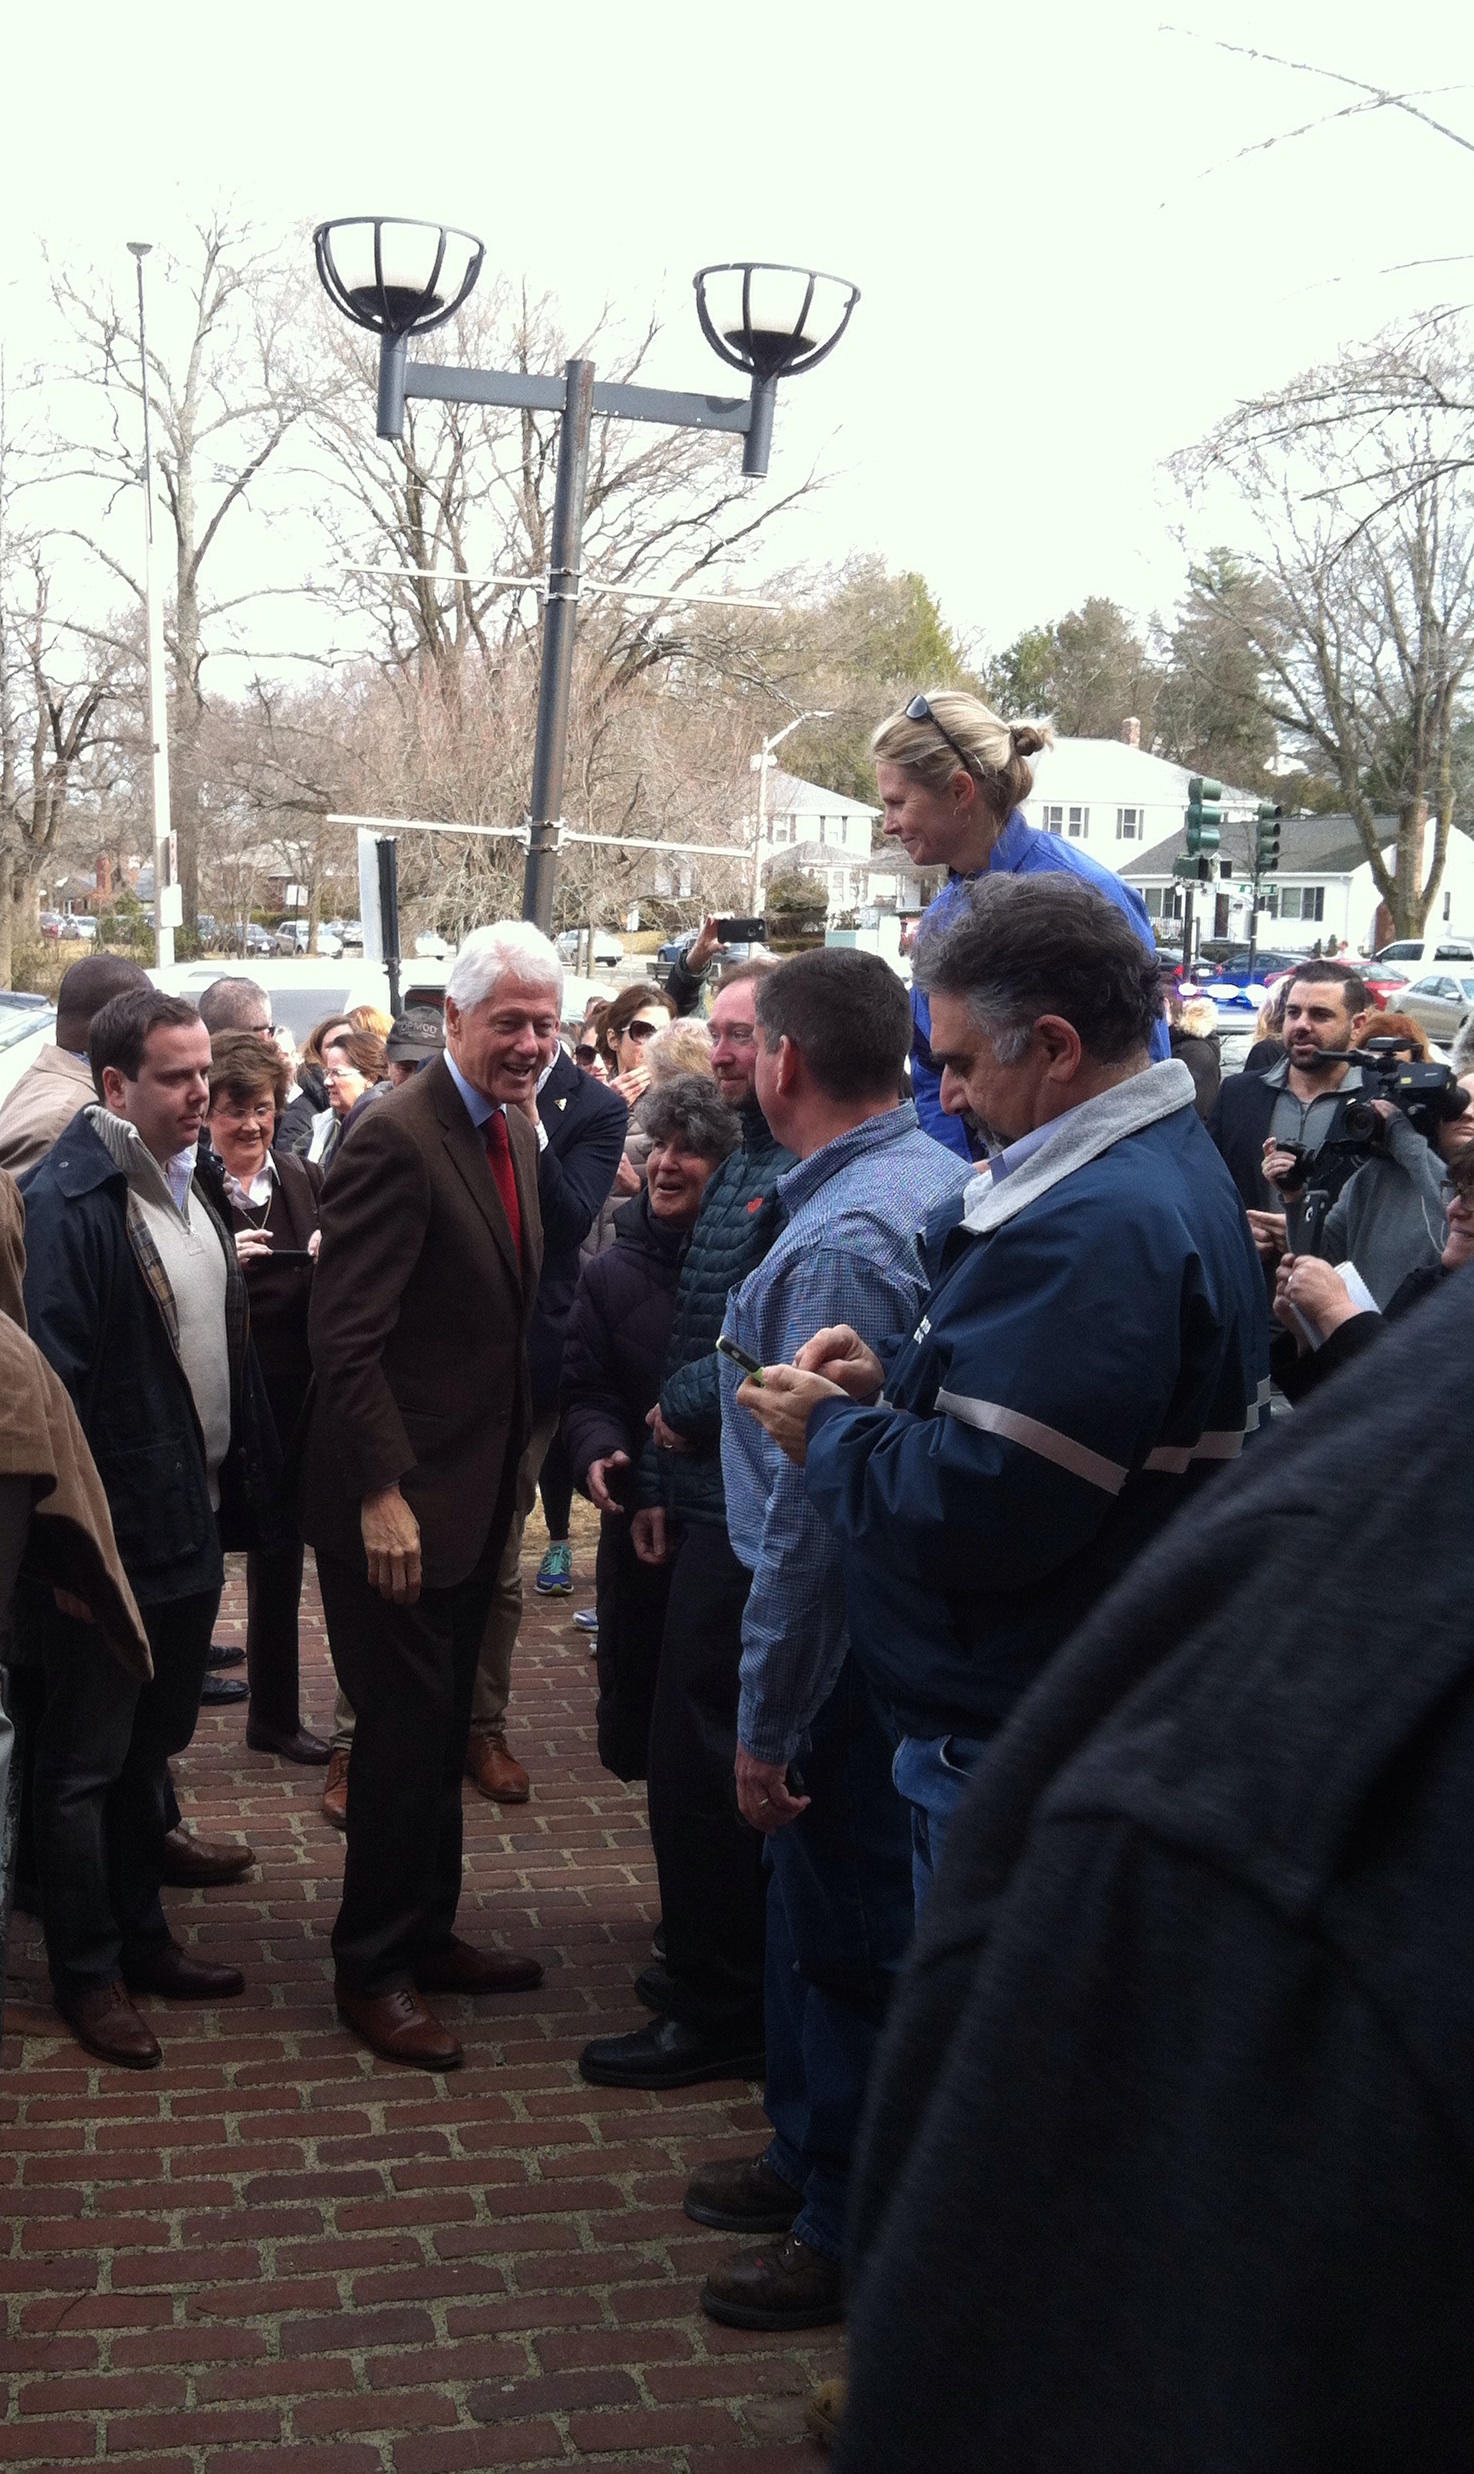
x: 499, y: 1158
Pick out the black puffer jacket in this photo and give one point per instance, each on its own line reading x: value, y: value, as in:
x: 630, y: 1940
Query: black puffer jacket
x: 740, y: 1217
x: 617, y: 1334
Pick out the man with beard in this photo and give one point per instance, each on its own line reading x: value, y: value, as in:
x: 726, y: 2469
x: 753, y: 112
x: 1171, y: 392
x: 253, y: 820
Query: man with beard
x: 1297, y: 1100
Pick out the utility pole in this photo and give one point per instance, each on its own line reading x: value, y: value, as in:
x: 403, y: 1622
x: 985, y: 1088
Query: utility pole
x: 760, y: 764
x: 168, y: 905
x: 1204, y: 822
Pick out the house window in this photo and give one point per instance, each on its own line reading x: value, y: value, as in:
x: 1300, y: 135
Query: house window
x: 1128, y: 823
x: 1301, y: 901
x: 1154, y: 897
x: 1054, y: 820
x: 1079, y: 823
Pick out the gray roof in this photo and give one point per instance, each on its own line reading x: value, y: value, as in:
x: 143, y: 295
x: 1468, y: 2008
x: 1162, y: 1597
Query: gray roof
x: 1309, y: 846
x: 789, y: 795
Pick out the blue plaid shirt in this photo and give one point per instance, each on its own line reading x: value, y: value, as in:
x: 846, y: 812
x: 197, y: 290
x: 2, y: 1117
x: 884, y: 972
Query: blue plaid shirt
x: 850, y: 1252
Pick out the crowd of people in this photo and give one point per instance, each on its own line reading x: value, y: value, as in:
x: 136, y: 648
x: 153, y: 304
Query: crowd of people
x: 902, y: 1344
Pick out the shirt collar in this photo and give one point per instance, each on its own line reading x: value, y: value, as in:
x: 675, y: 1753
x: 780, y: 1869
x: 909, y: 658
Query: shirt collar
x: 1004, y: 856
x: 259, y: 1189
x: 478, y: 1107
x: 1278, y: 1078
x: 798, y: 1184
x: 177, y: 1174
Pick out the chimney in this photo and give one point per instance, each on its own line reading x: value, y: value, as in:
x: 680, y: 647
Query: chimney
x: 1131, y: 731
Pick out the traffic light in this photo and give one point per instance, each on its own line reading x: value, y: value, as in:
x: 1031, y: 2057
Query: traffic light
x: 1204, y: 815
x: 1267, y: 837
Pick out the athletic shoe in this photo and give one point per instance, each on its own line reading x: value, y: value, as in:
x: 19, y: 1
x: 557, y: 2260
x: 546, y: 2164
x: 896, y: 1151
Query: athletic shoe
x: 555, y: 1572
x: 587, y: 1619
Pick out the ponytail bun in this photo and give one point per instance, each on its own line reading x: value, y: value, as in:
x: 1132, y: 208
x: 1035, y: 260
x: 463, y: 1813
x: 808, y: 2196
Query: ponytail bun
x: 1027, y: 738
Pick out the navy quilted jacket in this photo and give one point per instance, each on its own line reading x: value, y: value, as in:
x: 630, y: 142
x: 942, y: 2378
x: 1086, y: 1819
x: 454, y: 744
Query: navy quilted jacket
x: 739, y: 1218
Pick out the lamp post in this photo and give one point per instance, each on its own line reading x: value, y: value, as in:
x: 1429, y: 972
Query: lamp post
x: 168, y: 903
x: 761, y: 763
x: 400, y: 279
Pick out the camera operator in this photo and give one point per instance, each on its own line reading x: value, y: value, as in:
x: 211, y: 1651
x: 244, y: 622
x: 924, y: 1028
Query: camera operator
x: 1388, y: 1217
x: 1295, y: 1101
x: 1311, y: 1291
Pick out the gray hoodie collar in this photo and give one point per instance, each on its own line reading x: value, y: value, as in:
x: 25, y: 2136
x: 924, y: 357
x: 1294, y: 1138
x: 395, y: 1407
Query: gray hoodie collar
x: 1095, y: 1126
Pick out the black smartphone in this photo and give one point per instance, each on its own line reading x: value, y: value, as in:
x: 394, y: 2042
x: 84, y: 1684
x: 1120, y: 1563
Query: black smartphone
x: 741, y: 931
x: 288, y: 1254
x: 750, y: 1365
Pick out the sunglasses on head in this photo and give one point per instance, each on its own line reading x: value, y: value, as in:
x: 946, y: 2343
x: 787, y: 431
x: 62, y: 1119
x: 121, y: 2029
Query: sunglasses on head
x: 918, y: 710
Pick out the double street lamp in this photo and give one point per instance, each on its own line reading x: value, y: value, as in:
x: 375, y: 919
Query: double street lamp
x: 399, y: 279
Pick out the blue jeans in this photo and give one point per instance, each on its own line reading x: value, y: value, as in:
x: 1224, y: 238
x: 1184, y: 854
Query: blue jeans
x: 933, y: 1773
x: 839, y: 1921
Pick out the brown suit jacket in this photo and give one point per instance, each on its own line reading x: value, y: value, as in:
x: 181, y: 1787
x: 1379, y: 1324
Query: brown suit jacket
x: 418, y: 1327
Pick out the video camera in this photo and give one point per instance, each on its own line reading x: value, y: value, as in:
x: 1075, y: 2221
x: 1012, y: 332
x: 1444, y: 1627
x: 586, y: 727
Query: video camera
x: 1429, y: 1096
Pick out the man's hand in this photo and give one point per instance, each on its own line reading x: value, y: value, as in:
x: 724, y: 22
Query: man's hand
x: 1319, y: 1292
x: 782, y: 1403
x: 391, y: 1539
x: 600, y: 1472
x: 703, y: 948
x: 667, y: 1438
x: 649, y: 1536
x: 1280, y: 1166
x: 841, y: 1356
x: 527, y: 1108
x: 1267, y: 1228
x: 763, y: 1796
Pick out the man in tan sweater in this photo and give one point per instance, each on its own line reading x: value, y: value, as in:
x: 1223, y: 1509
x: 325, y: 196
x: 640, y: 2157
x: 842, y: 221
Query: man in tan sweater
x: 50, y: 1092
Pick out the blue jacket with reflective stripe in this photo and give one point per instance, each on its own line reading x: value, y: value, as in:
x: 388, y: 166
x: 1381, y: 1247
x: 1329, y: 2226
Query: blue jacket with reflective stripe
x: 1018, y: 851
x: 1077, y: 1373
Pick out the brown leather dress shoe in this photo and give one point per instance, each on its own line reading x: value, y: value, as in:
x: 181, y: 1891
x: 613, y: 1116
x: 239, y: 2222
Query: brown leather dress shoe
x: 741, y: 2194
x: 192, y: 1863
x: 176, y: 1977
x: 783, y: 2285
x: 461, y: 1969
x: 335, y: 1791
x: 492, y: 1770
x: 398, y: 2027
x: 104, y: 2022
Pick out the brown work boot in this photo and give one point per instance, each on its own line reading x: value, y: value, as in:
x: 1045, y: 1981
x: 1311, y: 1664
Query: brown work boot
x: 741, y: 2194
x: 104, y: 2022
x: 399, y: 2027
x: 335, y: 1791
x: 783, y: 2285
x: 825, y: 2412
x: 192, y: 1863
x: 491, y: 1769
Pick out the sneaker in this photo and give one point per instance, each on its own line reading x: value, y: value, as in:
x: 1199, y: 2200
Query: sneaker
x: 587, y: 1619
x: 555, y: 1572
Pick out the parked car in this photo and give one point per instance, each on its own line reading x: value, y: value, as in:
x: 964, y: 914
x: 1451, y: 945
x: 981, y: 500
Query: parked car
x: 606, y: 950
x: 351, y: 931
x: 1230, y: 961
x: 77, y: 926
x: 432, y: 946
x: 292, y: 939
x: 304, y: 988
x: 241, y: 937
x: 51, y: 923
x: 1453, y: 949
x: 27, y: 1025
x: 1440, y: 1001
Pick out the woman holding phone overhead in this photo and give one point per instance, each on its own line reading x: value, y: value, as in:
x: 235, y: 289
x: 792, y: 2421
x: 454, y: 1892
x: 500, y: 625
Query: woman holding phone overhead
x: 273, y: 1208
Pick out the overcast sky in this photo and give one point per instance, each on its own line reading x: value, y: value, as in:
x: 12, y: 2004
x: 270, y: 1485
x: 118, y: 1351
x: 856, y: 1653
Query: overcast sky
x: 1068, y: 268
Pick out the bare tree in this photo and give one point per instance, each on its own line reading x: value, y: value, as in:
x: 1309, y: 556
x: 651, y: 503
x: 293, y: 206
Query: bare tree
x: 53, y: 692
x: 1356, y: 481
x: 226, y: 390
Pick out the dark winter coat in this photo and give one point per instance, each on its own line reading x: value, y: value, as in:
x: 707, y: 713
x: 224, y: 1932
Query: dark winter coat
x: 96, y: 1321
x: 585, y: 1123
x: 294, y: 1125
x: 739, y: 1218
x: 1239, y: 1125
x: 611, y: 1375
x: 1169, y: 2159
x: 617, y: 1334
x: 1202, y: 1054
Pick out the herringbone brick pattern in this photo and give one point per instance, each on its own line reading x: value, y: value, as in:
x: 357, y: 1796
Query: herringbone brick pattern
x: 277, y: 2243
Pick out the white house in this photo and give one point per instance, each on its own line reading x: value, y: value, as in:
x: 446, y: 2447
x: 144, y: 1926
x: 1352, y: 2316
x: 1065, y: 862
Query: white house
x: 829, y: 837
x: 1322, y: 888
x: 1110, y: 796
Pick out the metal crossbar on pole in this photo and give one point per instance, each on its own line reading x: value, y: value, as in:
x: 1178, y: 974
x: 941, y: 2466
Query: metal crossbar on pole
x: 519, y: 833
x: 539, y: 584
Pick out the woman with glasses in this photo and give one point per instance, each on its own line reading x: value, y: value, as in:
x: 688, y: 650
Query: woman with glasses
x: 634, y: 1017
x: 273, y: 1215
x: 354, y: 1068
x: 953, y: 778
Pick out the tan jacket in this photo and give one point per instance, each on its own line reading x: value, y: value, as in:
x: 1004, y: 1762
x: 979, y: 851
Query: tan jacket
x: 42, y: 1106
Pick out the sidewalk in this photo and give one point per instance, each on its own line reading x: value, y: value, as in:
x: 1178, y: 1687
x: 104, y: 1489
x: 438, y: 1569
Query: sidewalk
x: 277, y: 2243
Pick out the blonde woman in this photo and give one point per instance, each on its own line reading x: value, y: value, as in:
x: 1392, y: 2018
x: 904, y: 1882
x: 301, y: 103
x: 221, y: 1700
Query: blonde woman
x: 953, y: 778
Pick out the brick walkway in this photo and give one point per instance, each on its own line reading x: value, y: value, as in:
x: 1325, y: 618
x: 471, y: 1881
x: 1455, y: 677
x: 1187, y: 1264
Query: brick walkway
x: 276, y: 2242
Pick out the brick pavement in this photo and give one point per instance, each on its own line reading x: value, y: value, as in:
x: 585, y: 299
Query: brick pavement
x: 276, y: 2242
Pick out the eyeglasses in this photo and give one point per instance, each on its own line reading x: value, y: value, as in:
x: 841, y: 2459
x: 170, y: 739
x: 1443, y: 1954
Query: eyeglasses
x: 918, y: 710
